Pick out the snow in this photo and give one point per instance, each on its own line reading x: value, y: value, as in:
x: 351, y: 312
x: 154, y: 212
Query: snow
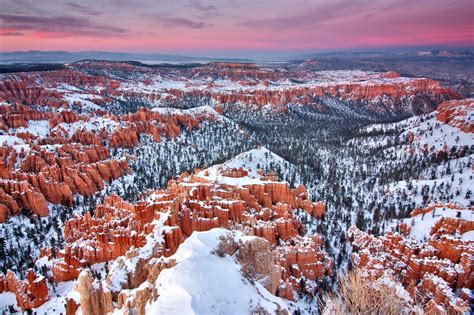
x: 57, y: 302
x: 204, y: 283
x: 94, y: 124
x: 421, y: 224
x: 190, y: 111
x: 468, y: 236
x: 39, y: 128
x: 427, y: 131
x: 6, y: 299
x: 251, y: 161
x: 10, y: 140
x: 83, y: 100
x: 441, y: 135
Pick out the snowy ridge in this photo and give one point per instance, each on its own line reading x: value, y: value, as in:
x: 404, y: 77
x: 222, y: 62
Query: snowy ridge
x: 314, y: 79
x: 426, y: 130
x: 250, y: 162
x: 204, y: 283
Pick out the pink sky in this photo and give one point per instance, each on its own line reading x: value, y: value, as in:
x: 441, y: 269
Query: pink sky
x: 211, y: 27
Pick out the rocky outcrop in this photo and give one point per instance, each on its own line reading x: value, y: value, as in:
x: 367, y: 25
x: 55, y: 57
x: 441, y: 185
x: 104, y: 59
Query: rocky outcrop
x: 16, y: 116
x: 115, y: 227
x: 367, y: 90
x: 30, y: 293
x: 71, y: 307
x: 8, y: 206
x: 20, y: 90
x: 67, y: 117
x: 436, y: 268
x: 257, y: 262
x: 433, y: 207
x: 236, y: 72
x: 23, y: 195
x: 155, y: 124
x: 451, y: 226
x: 44, y: 176
x: 191, y: 203
x: 93, y: 298
x: 273, y: 267
x: 457, y: 113
x: 304, y: 257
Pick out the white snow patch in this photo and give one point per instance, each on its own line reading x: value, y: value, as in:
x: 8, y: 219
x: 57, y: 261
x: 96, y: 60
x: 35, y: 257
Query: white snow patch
x: 249, y: 161
x: 421, y: 224
x: 204, y: 283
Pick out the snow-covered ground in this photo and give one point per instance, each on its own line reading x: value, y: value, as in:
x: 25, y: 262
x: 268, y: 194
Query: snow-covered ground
x: 204, y: 283
x: 427, y: 131
x: 250, y: 161
x: 8, y: 299
x: 11, y: 140
x: 201, y: 282
x: 421, y: 224
x: 58, y: 299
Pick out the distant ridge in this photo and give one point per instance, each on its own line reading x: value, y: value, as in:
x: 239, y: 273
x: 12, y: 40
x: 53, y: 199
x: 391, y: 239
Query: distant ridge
x: 34, y: 56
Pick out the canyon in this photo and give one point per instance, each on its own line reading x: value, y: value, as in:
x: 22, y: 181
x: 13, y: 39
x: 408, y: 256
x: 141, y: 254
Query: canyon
x: 134, y: 189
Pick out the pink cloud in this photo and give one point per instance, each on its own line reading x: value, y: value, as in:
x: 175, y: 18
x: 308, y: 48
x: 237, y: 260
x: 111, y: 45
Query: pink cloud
x: 195, y: 26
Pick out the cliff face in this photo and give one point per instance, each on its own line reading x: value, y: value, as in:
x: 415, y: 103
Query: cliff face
x: 440, y: 267
x: 368, y: 94
x: 457, y: 114
x: 24, y: 88
x: 20, y: 92
x: 225, y: 84
x: 93, y: 299
x: 54, y: 176
x: 243, y: 72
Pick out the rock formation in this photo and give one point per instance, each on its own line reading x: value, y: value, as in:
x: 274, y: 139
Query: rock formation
x: 30, y: 293
x: 191, y: 203
x: 457, y: 113
x: 253, y: 86
x: 53, y: 166
x: 93, y: 298
x: 440, y: 267
x: 257, y: 262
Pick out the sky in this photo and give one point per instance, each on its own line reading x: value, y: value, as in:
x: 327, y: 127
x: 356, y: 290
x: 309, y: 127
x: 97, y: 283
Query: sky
x: 233, y: 27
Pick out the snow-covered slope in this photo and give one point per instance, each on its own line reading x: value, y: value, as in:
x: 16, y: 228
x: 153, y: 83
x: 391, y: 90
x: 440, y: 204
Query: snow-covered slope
x: 204, y: 283
x: 251, y: 162
x: 420, y: 225
x: 200, y: 282
x: 426, y: 130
